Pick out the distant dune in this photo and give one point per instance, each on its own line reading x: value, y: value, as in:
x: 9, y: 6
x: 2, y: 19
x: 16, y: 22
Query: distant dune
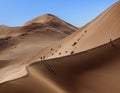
x: 48, y: 55
x: 19, y: 45
x: 15, y: 41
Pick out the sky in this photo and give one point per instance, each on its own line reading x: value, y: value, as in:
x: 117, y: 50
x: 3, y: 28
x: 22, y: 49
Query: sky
x: 75, y: 12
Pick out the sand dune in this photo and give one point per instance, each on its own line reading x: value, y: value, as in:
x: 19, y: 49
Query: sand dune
x: 54, y: 21
x: 17, y: 41
x: 86, y: 72
x: 103, y: 29
x: 19, y: 45
x: 87, y: 61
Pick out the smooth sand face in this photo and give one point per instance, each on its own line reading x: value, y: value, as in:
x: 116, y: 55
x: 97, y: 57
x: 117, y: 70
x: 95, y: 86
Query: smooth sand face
x: 87, y: 61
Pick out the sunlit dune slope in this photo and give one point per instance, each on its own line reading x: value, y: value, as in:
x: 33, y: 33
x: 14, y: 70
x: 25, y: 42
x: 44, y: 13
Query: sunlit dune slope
x: 103, y: 29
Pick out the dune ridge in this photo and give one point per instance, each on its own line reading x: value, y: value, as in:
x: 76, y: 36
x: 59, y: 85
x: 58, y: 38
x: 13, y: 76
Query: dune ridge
x: 86, y: 62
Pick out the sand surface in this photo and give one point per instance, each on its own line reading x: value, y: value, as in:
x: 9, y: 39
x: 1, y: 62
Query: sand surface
x: 48, y: 55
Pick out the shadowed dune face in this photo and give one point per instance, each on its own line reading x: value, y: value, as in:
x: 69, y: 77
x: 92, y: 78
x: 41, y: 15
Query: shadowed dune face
x: 96, y: 70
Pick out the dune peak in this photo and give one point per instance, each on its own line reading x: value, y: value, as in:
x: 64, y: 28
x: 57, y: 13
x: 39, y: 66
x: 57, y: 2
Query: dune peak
x: 42, y: 19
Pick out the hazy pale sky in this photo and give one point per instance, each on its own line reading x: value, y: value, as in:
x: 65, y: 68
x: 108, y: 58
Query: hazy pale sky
x: 76, y: 12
